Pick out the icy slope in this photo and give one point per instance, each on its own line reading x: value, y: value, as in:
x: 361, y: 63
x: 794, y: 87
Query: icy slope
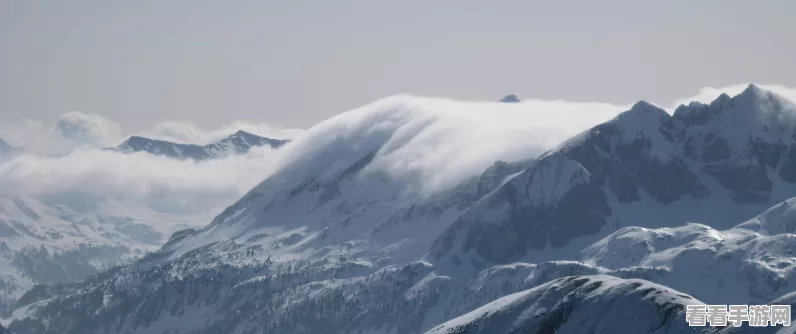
x: 580, y: 304
x: 238, y: 143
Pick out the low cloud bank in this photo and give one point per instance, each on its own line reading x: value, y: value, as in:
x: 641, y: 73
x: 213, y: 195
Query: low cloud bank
x: 433, y: 142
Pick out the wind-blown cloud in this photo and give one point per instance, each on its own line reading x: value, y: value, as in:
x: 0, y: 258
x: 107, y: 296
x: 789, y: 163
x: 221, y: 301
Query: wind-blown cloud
x: 160, y: 183
x: 429, y: 141
x: 442, y: 141
x: 64, y: 163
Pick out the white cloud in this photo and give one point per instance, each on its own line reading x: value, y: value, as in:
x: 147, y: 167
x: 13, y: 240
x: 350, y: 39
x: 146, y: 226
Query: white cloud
x: 87, y: 129
x: 70, y: 131
x: 160, y: 183
x: 75, y: 129
x: 63, y: 162
x: 434, y: 143
x: 431, y: 142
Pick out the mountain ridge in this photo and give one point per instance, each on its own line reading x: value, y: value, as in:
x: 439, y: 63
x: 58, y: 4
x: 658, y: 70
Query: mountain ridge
x: 238, y: 143
x: 570, y: 304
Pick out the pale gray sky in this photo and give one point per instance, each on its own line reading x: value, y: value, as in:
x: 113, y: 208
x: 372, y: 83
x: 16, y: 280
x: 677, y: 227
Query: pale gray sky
x: 295, y: 63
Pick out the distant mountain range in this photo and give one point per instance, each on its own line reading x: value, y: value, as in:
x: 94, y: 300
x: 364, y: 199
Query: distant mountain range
x: 238, y: 143
x: 58, y: 238
x: 616, y: 230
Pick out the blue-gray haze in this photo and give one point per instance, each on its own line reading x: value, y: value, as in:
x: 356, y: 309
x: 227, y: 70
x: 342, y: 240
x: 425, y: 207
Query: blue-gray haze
x: 295, y: 63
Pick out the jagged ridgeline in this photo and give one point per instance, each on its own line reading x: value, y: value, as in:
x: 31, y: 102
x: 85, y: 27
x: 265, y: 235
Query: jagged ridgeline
x: 648, y: 209
x: 238, y: 143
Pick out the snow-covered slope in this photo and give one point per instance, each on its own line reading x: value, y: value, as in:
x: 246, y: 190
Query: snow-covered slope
x: 360, y: 178
x: 238, y: 143
x: 753, y: 262
x: 331, y: 241
x: 580, y: 304
x: 788, y: 299
x: 637, y: 169
x: 52, y: 240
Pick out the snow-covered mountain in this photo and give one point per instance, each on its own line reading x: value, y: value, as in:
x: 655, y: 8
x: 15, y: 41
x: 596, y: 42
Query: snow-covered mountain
x: 754, y: 262
x: 643, y: 168
x: 580, y: 304
x: 346, y: 237
x: 238, y: 143
x: 53, y: 240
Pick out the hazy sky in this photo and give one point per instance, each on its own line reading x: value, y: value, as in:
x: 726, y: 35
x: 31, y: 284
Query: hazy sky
x: 294, y: 63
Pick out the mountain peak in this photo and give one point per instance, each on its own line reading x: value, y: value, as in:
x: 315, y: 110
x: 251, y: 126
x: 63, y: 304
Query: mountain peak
x: 643, y: 106
x: 721, y: 100
x: 643, y: 114
x: 511, y: 98
x: 241, y: 133
x: 752, y: 89
x: 751, y: 96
